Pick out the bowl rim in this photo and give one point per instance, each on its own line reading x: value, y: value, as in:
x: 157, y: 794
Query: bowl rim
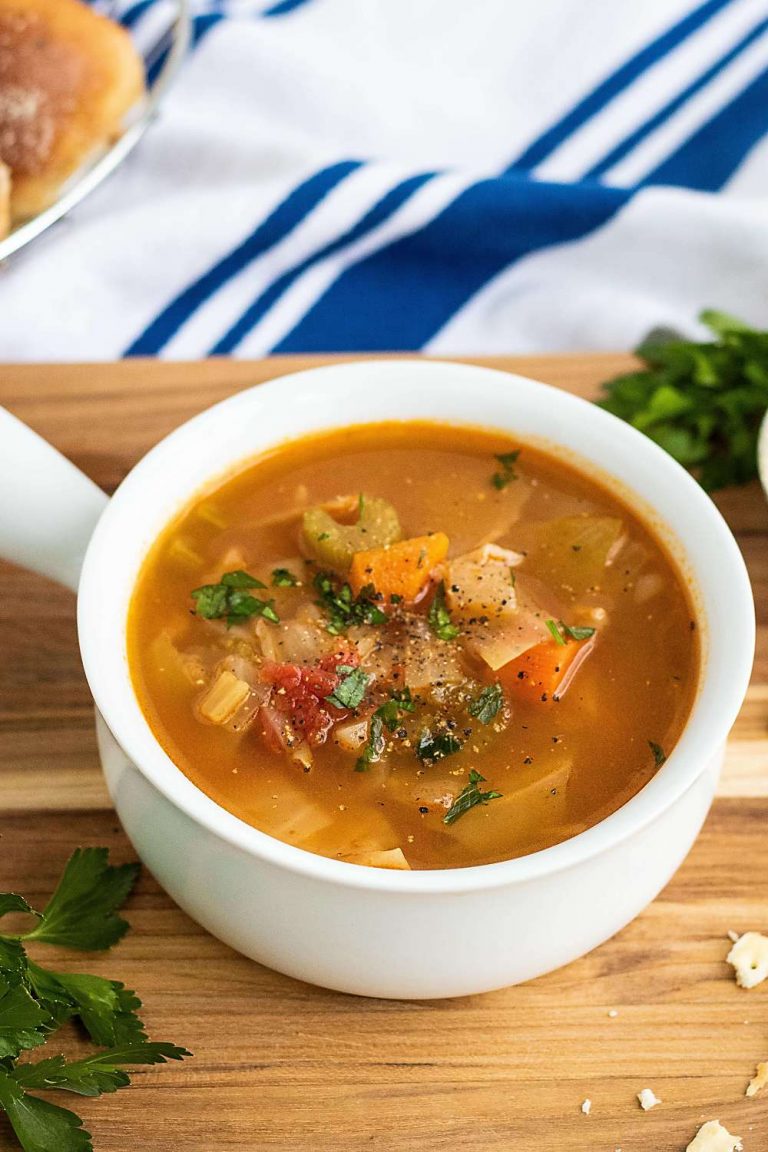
x: 701, y: 740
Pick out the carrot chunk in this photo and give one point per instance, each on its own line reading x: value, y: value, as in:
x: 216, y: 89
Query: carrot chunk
x: 401, y: 569
x: 544, y: 671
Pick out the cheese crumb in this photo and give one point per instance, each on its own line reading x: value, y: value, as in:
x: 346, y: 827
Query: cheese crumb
x: 648, y: 1099
x: 712, y: 1137
x: 749, y: 956
x: 759, y: 1080
x: 613, y: 1013
x: 732, y: 936
x: 586, y: 1107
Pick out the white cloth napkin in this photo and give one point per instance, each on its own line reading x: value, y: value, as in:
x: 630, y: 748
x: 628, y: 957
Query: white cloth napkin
x: 453, y: 176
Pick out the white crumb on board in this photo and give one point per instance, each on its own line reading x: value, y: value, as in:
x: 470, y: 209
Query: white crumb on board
x: 749, y: 957
x: 759, y: 1080
x: 613, y: 1013
x: 647, y: 1099
x: 586, y: 1107
x: 712, y: 1137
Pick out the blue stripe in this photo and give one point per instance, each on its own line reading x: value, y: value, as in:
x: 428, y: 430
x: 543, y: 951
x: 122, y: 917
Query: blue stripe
x: 399, y: 297
x: 278, y: 224
x: 670, y: 108
x: 593, y: 103
x: 375, y: 216
x: 285, y: 6
x: 201, y: 25
x: 711, y: 156
x: 133, y: 14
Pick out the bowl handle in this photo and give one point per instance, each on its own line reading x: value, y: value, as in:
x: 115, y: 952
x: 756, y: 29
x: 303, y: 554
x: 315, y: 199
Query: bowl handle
x: 48, y: 508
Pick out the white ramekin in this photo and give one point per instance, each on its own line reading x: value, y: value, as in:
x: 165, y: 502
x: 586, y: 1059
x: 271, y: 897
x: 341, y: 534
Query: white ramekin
x: 364, y: 930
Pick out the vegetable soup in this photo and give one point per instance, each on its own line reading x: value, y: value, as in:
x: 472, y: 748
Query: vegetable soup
x: 410, y: 645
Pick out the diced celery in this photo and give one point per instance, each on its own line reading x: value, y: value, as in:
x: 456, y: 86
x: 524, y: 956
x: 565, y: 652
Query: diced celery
x: 334, y: 544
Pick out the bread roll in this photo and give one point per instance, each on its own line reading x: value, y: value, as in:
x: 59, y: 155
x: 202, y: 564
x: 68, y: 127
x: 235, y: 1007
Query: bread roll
x: 67, y: 78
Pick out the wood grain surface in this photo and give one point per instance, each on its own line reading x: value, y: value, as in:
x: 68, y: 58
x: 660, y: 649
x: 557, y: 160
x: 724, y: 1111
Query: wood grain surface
x: 283, y: 1066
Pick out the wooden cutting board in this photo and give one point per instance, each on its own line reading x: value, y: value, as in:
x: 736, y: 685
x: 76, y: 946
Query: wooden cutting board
x: 283, y: 1066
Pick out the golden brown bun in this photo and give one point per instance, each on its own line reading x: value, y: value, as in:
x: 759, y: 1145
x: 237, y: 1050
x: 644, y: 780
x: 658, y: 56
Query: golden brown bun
x: 67, y: 78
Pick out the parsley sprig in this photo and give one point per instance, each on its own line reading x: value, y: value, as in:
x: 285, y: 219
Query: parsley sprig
x: 35, y: 1002
x: 469, y: 796
x: 231, y: 599
x: 703, y: 402
x: 561, y: 632
x: 343, y: 608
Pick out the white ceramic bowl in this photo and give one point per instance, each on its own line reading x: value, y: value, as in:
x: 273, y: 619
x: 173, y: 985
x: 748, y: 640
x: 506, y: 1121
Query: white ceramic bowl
x: 363, y: 930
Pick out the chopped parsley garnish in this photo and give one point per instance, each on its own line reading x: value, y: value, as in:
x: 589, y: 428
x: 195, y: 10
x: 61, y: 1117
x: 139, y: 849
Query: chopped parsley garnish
x: 35, y: 1002
x: 703, y: 403
x: 343, y: 608
x: 469, y: 796
x: 231, y: 599
x: 284, y: 578
x: 659, y: 755
x: 564, y: 630
x: 487, y: 704
x: 387, y: 715
x: 439, y: 618
x: 350, y: 690
x: 432, y: 746
x: 390, y: 711
x: 374, y: 745
x: 507, y: 472
x: 577, y: 633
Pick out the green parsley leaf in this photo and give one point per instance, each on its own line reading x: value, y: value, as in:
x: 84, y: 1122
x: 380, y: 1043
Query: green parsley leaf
x: 659, y: 755
x: 106, y: 1008
x: 374, y: 746
x: 469, y: 796
x: 439, y: 618
x: 703, y: 403
x: 231, y: 599
x: 391, y: 710
x: 577, y: 633
x: 350, y: 690
x: 22, y: 1020
x: 507, y: 473
x: 34, y: 1002
x: 81, y: 913
x: 555, y: 631
x: 342, y: 608
x: 97, y: 1074
x: 433, y: 746
x: 11, y: 902
x: 487, y: 704
x: 38, y: 1125
x: 284, y: 578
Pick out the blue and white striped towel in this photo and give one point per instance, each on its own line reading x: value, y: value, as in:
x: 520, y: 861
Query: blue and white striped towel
x: 455, y: 177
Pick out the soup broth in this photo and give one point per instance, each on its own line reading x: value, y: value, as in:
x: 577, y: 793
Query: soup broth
x: 413, y: 646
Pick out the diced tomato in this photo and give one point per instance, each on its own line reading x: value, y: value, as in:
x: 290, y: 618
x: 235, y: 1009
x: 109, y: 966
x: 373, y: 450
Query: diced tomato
x: 299, y: 694
x: 544, y: 672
